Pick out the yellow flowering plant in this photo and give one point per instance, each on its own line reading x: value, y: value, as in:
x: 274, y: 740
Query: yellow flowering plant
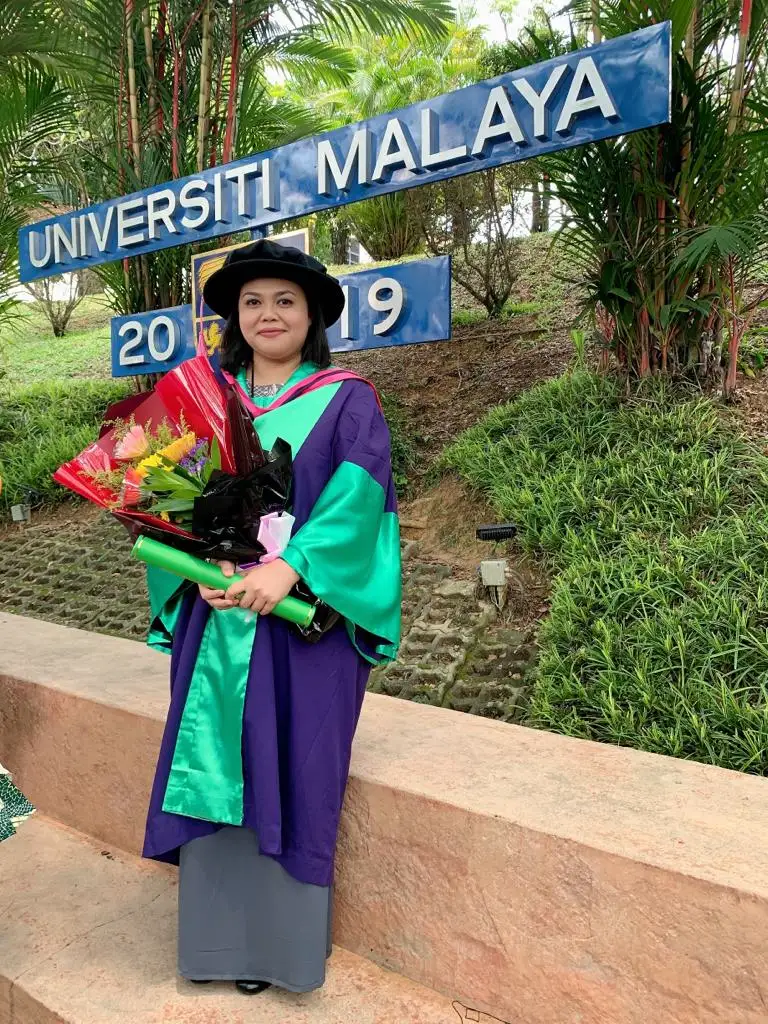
x: 160, y: 472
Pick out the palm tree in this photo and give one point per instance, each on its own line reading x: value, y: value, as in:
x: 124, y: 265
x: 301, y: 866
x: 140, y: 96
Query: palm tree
x: 34, y: 112
x: 180, y: 85
x: 668, y: 226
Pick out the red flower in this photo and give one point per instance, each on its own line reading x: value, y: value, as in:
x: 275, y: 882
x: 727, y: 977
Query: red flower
x: 130, y: 493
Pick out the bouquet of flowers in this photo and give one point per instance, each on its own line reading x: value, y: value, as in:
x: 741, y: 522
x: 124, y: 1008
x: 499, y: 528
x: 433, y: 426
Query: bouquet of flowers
x: 184, y: 465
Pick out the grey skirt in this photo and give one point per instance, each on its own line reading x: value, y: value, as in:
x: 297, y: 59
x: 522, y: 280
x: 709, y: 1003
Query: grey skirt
x: 242, y: 917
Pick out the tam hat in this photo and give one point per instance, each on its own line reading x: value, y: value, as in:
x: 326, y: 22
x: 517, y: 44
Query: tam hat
x: 265, y: 258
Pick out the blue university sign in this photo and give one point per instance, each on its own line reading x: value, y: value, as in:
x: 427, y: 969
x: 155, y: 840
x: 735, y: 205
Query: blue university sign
x: 402, y: 304
x: 620, y: 86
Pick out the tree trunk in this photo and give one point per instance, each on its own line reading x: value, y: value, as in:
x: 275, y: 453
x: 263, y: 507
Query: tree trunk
x: 203, y: 109
x: 150, y: 61
x: 597, y: 35
x: 162, y: 25
x: 133, y: 100
x: 546, y: 200
x: 536, y: 208
x: 119, y: 132
x: 234, y: 77
x: 737, y: 95
x: 339, y: 231
x: 175, y: 103
x: 216, y: 117
x: 690, y: 56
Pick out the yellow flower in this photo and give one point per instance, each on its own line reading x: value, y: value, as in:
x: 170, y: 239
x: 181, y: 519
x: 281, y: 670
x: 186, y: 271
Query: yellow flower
x: 165, y: 517
x: 177, y: 449
x: 151, y: 462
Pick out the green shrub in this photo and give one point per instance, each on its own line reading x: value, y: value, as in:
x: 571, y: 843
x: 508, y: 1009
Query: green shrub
x: 753, y: 352
x: 654, y: 517
x: 43, y: 426
x: 403, y: 449
x: 468, y: 317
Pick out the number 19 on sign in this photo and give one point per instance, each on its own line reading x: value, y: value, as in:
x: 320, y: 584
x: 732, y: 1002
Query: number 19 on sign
x: 385, y: 295
x: 402, y: 304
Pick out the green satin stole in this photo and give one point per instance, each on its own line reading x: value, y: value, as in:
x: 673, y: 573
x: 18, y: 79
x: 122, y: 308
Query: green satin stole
x: 206, y: 776
x: 349, y: 554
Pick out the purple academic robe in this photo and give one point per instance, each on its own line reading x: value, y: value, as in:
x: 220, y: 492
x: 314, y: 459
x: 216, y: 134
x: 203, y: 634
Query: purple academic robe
x: 302, y: 700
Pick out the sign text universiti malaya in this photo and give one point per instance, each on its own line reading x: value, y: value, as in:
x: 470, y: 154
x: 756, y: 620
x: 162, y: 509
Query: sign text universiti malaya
x: 620, y: 86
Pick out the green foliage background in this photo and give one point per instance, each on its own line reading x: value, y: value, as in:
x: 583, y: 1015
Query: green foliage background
x: 653, y: 516
x: 45, y: 425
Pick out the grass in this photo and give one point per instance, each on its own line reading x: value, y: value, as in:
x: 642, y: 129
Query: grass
x: 468, y: 317
x: 402, y: 443
x: 45, y: 425
x: 653, y: 516
x: 30, y: 354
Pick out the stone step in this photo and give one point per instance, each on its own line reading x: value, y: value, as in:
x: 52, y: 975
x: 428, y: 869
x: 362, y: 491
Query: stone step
x: 539, y: 878
x: 88, y: 936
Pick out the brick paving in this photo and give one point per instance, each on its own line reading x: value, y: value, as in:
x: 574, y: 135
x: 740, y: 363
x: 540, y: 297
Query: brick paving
x: 76, y: 570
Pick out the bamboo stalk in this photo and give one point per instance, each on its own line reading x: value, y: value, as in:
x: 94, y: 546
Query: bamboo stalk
x: 203, y: 117
x: 150, y: 61
x: 234, y: 74
x: 133, y: 99
x: 597, y: 35
x: 738, y: 92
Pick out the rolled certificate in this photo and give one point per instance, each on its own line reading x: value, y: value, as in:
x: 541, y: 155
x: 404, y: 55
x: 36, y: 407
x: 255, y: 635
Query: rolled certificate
x: 163, y: 556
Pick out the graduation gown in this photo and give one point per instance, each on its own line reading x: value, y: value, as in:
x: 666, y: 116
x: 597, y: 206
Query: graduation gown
x: 260, y: 724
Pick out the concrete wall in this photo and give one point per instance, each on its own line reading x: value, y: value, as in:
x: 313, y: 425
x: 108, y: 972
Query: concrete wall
x: 542, y: 879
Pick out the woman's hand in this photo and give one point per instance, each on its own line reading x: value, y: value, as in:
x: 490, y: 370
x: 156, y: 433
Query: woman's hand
x: 216, y: 598
x: 263, y: 587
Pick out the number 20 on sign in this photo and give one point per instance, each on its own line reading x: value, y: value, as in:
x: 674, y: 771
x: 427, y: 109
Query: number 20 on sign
x: 403, y: 304
x: 151, y: 342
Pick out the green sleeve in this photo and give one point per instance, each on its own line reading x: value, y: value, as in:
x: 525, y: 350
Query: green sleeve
x: 348, y: 553
x: 166, y: 593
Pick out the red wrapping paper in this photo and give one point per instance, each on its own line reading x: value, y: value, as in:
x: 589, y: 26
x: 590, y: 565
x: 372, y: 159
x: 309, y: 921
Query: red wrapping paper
x: 192, y: 392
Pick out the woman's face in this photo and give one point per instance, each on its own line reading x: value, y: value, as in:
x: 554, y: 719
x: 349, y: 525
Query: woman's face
x: 274, y: 317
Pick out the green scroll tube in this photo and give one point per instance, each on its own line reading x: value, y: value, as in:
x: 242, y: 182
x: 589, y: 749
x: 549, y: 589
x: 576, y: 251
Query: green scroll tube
x: 162, y: 556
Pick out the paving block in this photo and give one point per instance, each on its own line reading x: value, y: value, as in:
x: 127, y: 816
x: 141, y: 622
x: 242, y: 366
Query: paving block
x: 88, y: 936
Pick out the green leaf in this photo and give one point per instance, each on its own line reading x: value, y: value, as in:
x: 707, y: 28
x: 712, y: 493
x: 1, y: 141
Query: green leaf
x: 171, y: 505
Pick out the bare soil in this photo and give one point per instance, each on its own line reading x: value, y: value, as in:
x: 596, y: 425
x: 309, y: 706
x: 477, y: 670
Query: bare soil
x: 445, y: 388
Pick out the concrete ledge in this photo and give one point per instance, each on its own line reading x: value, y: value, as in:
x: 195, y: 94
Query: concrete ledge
x: 90, y: 938
x: 541, y: 879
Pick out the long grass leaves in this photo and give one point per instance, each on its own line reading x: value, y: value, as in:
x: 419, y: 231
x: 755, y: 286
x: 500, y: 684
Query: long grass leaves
x: 654, y: 517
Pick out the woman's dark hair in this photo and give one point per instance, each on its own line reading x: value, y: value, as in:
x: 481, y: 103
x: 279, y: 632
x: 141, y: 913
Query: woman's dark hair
x: 236, y: 352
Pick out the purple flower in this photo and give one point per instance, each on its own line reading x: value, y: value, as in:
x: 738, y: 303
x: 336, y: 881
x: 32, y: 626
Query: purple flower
x: 194, y: 461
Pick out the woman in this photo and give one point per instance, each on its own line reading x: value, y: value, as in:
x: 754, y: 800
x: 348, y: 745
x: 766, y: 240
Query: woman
x: 255, y: 755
